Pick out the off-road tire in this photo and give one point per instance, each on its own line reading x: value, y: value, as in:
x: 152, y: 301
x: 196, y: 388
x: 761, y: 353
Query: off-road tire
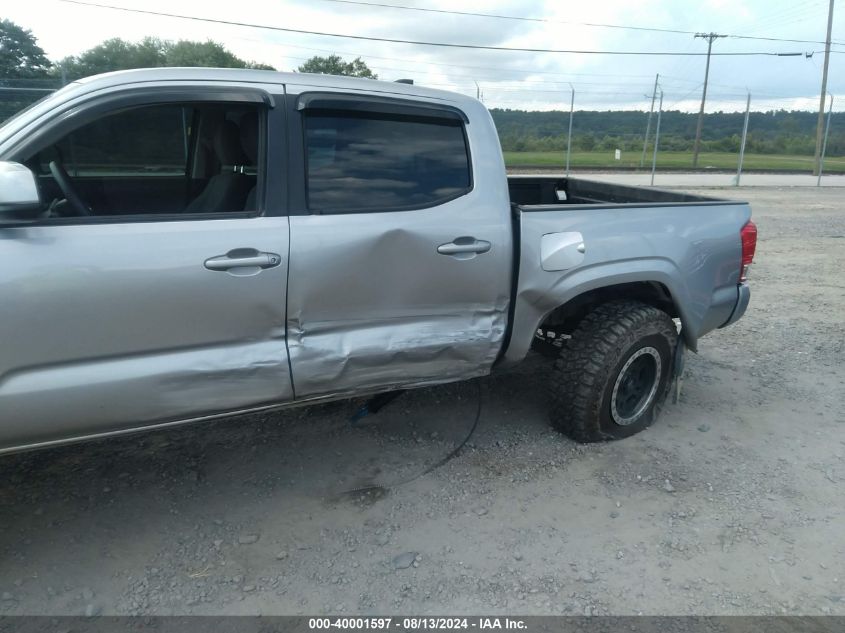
x: 589, y: 364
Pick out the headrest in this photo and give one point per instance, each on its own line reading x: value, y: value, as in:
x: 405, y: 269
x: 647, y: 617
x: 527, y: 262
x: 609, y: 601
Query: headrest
x: 227, y: 144
x: 249, y: 136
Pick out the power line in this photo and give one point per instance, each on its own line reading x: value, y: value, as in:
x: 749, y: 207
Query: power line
x: 670, y: 106
x: 527, y: 84
x: 498, y: 72
x: 424, y: 43
x: 776, y: 16
x: 786, y: 15
x: 506, y: 17
x: 491, y: 68
x: 499, y: 16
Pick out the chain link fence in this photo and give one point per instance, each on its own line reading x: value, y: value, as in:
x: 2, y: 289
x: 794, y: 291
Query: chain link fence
x: 17, y: 94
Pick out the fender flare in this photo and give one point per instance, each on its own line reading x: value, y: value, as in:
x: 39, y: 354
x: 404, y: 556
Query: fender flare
x: 544, y: 293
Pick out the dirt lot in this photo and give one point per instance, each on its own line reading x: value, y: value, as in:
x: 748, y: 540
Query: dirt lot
x: 731, y: 504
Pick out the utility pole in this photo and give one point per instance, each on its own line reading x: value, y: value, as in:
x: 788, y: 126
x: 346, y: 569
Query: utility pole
x: 477, y: 91
x: 656, y: 139
x: 744, y: 137
x: 824, y: 144
x: 820, y: 124
x: 569, y: 138
x: 648, y: 123
x: 709, y: 37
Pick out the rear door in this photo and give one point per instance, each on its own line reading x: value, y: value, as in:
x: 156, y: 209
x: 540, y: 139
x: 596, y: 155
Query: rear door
x: 137, y: 314
x: 400, y: 270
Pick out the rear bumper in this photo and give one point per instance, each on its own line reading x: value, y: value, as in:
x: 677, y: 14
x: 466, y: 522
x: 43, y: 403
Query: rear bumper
x: 743, y: 297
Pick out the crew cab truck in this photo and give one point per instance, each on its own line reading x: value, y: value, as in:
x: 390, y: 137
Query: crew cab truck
x: 183, y: 244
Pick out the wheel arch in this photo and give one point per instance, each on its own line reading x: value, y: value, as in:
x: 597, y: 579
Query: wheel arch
x: 567, y: 316
x: 565, y: 302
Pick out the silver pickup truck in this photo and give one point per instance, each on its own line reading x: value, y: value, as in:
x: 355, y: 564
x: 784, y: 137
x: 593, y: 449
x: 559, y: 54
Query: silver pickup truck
x: 182, y: 244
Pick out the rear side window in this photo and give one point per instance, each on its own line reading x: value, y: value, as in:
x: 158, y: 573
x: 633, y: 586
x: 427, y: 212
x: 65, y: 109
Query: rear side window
x: 362, y: 161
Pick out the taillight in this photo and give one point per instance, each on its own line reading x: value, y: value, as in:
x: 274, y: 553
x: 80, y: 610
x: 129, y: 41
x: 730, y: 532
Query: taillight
x: 748, y: 236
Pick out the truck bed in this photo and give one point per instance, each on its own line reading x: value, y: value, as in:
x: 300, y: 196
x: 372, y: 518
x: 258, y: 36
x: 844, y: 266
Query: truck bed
x: 556, y: 190
x: 573, y: 236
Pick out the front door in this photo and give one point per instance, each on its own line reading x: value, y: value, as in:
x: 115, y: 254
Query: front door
x: 160, y: 298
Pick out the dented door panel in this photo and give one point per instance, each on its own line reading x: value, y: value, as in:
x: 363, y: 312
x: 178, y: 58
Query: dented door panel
x: 399, y: 298
x: 372, y: 304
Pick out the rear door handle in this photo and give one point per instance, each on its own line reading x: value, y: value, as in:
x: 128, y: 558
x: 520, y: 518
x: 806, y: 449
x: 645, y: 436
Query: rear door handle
x: 243, y: 258
x: 464, y: 246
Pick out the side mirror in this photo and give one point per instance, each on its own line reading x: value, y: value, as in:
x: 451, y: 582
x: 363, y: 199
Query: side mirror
x: 19, y: 199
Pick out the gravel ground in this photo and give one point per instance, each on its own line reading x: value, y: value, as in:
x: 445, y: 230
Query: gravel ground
x: 730, y: 504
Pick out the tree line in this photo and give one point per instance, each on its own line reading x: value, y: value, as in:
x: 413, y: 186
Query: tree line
x: 773, y: 132
x: 22, y: 58
x: 26, y: 73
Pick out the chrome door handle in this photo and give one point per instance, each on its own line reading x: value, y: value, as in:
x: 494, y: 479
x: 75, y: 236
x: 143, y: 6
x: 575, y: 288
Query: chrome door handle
x: 243, y: 258
x: 463, y: 246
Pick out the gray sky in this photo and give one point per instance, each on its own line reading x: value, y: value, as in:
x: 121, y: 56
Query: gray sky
x: 508, y: 79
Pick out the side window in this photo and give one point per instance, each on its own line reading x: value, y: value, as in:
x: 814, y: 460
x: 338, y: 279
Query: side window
x: 157, y: 159
x: 148, y: 140
x: 364, y: 162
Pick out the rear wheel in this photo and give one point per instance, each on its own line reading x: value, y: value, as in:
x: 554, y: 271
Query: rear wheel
x: 611, y: 377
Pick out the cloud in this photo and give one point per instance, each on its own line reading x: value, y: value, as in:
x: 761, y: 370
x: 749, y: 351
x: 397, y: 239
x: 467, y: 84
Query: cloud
x: 508, y: 79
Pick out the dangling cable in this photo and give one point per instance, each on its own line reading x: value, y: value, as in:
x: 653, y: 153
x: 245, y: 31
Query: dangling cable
x: 451, y: 455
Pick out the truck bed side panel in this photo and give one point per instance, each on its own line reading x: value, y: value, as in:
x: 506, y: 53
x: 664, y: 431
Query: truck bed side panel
x: 692, y: 250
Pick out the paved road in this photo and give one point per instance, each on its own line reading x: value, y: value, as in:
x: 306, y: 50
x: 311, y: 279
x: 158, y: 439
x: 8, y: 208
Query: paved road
x: 709, y: 180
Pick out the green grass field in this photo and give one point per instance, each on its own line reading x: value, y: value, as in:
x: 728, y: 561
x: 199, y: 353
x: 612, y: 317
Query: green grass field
x: 672, y: 160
